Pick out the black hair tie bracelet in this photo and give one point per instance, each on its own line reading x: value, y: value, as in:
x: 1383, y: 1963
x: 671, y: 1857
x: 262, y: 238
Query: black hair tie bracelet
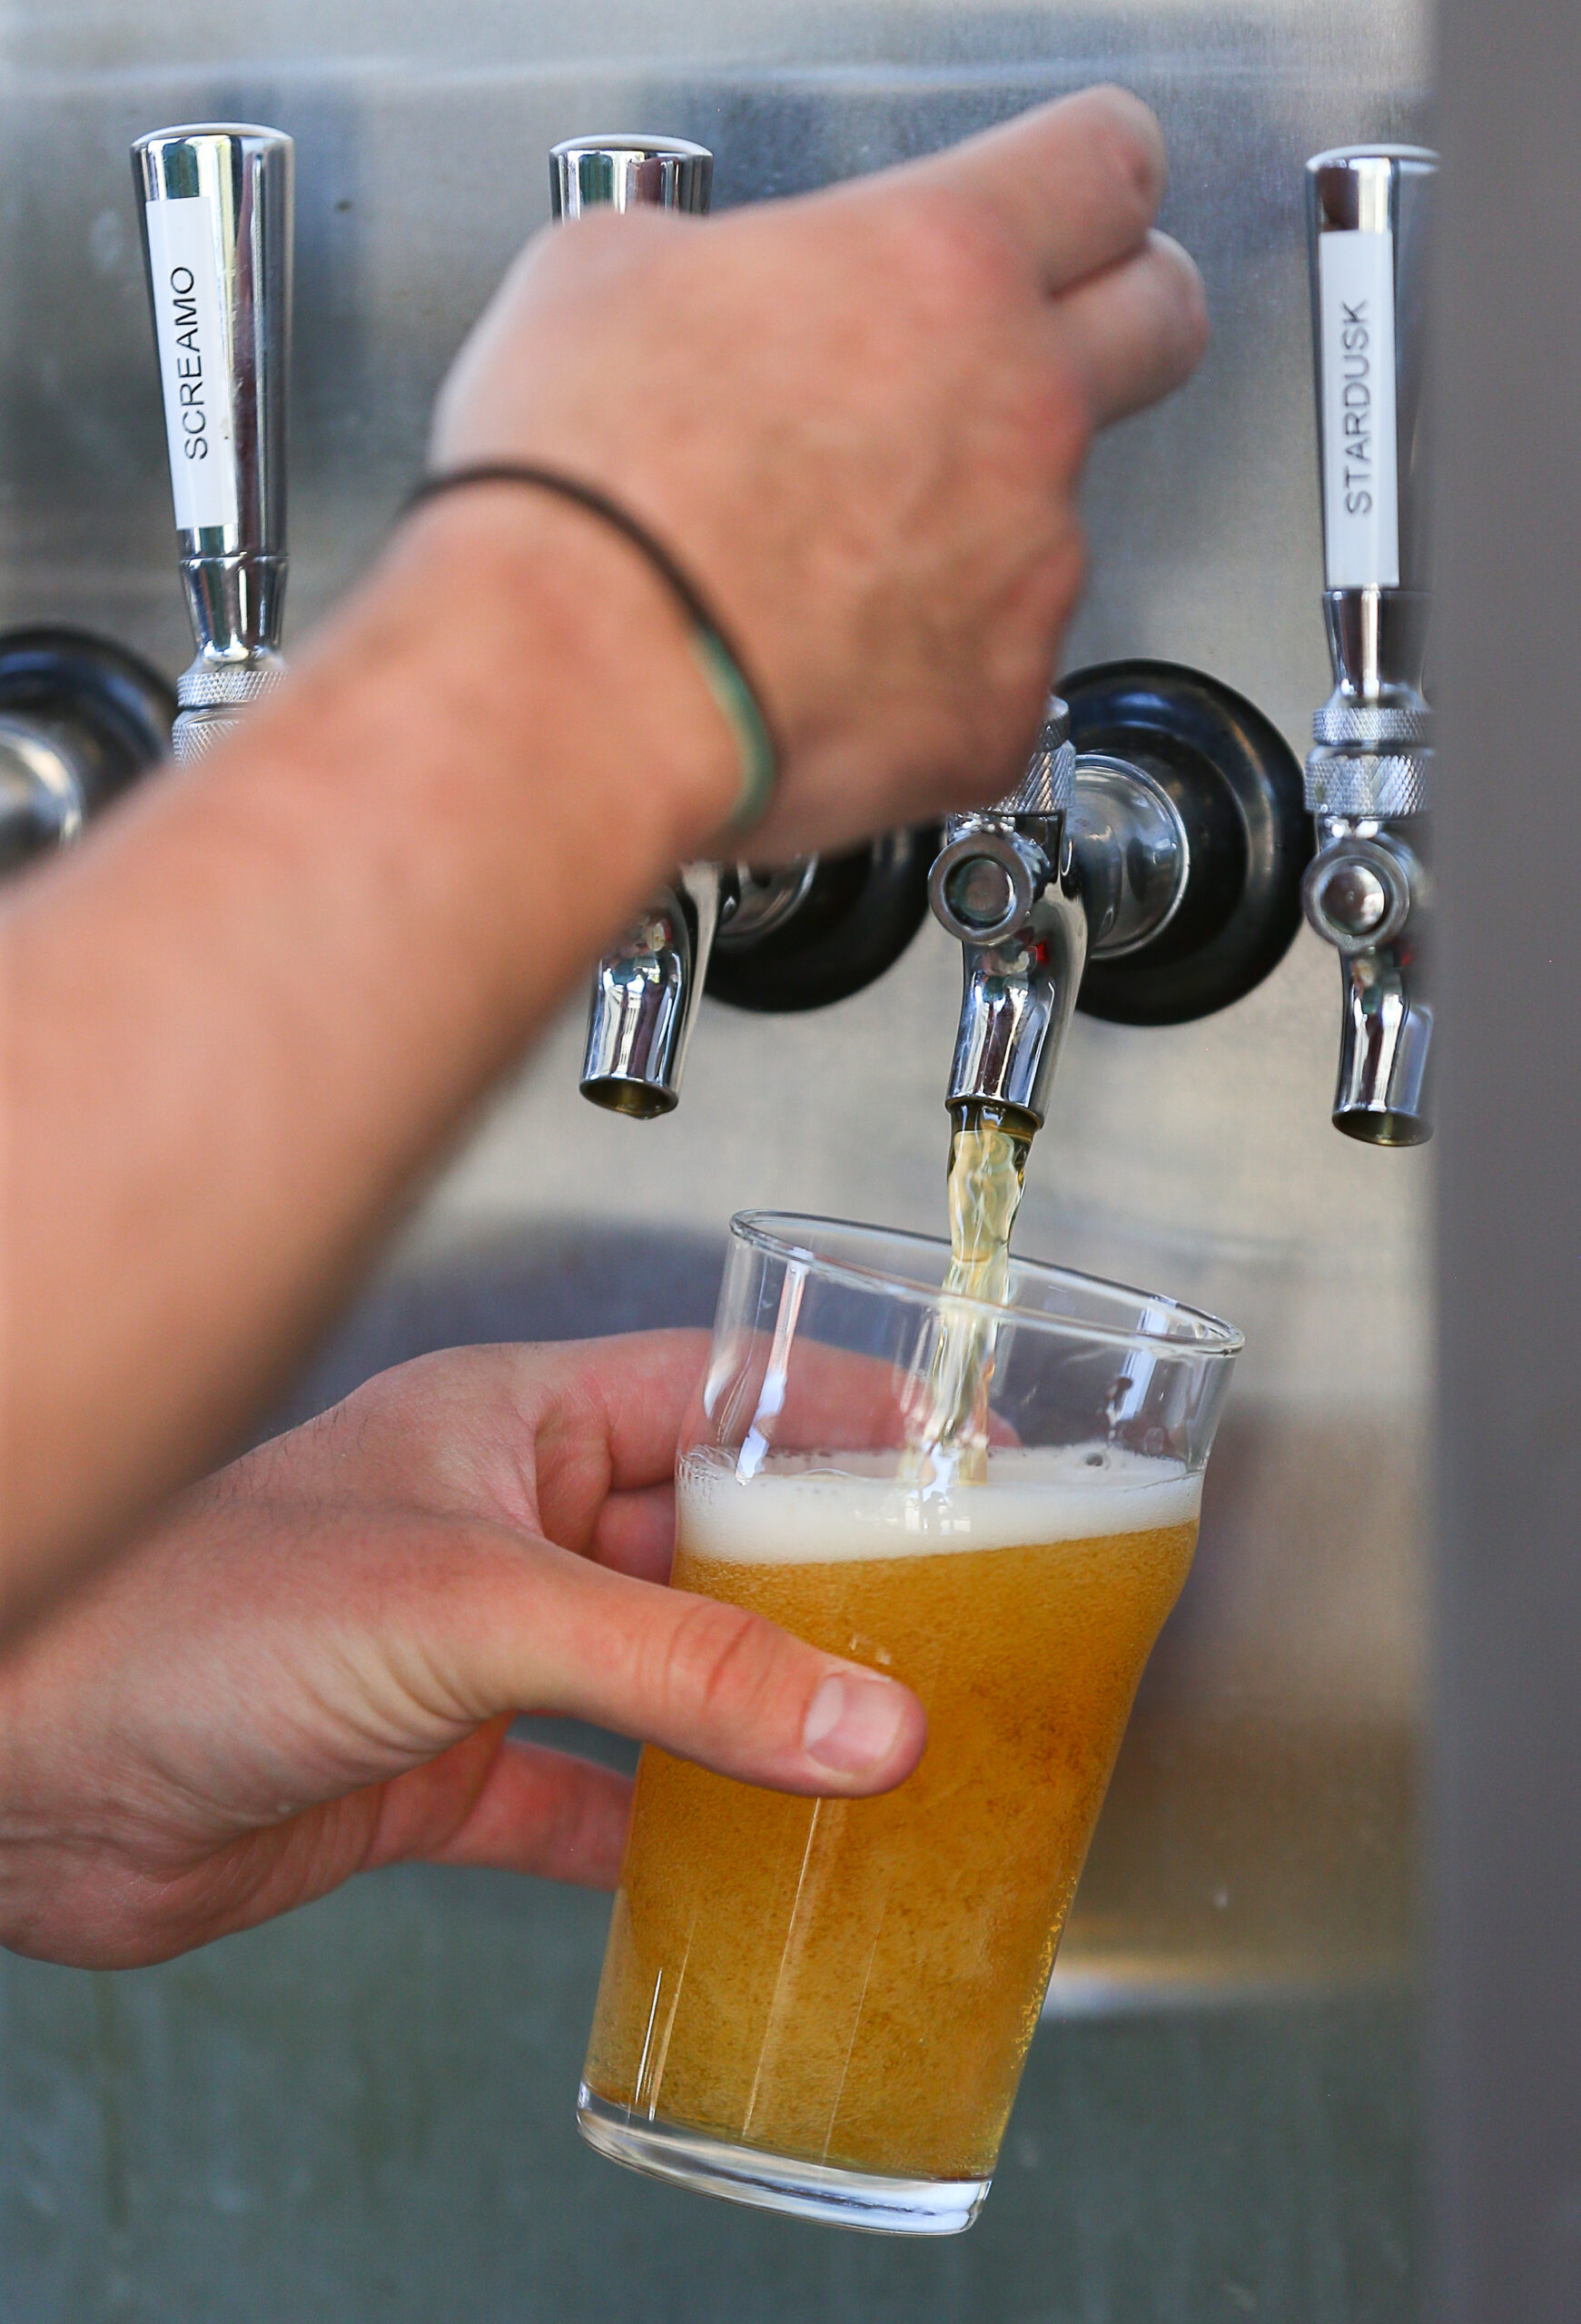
x: 718, y: 658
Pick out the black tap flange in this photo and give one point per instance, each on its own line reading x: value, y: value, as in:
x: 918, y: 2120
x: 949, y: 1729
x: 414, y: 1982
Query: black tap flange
x: 1238, y: 788
x: 860, y: 911
x: 97, y: 715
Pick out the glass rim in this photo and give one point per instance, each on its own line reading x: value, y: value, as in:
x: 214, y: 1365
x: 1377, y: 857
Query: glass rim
x: 1208, y: 1338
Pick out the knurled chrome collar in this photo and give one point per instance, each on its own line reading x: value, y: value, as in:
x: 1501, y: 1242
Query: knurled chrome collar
x: 211, y: 685
x: 1368, y: 784
x: 1373, y: 726
x: 196, y: 732
x: 1048, y: 784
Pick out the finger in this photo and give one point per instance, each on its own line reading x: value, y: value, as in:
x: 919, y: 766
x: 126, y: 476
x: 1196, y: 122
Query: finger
x: 545, y: 1630
x: 538, y: 1811
x: 640, y: 1385
x: 486, y: 1800
x: 615, y: 1412
x: 1137, y: 333
x: 815, y: 1398
x: 607, y: 1415
x: 538, y: 1434
x: 1078, y: 183
x: 635, y: 1533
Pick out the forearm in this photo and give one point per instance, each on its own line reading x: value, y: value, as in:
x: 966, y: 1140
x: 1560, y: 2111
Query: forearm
x: 247, y: 1017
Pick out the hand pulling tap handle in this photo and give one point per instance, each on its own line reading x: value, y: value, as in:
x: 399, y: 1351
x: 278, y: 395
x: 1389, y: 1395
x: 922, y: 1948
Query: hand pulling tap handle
x: 646, y: 989
x: 216, y: 210
x: 1369, y: 214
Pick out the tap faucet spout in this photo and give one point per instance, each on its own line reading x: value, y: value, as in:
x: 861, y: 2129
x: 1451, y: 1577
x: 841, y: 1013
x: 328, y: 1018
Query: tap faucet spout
x: 1385, y: 1038
x: 1150, y: 877
x: 645, y: 991
x: 1367, y: 893
x: 1005, y: 885
x: 1016, y: 1004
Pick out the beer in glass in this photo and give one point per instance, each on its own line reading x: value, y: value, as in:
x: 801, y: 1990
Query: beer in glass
x: 823, y: 2005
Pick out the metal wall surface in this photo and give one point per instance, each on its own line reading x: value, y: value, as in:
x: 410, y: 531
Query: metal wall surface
x: 1260, y: 1840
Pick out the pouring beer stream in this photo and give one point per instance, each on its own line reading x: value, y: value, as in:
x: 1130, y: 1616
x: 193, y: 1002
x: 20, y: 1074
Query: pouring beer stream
x: 987, y: 1174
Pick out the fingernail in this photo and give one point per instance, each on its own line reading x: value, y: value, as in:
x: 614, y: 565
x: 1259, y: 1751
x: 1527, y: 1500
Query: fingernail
x: 853, y: 1724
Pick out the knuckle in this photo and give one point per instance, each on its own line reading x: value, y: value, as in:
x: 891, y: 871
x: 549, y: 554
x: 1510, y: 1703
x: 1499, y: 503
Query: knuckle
x: 718, y: 1665
x: 1127, y: 149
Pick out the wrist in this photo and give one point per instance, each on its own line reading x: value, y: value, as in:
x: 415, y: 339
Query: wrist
x: 580, y: 665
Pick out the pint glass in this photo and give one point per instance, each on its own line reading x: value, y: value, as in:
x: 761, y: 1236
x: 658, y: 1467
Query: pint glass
x: 823, y: 2005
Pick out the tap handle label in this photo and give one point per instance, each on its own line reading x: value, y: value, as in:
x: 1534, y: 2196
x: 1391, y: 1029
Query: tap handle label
x: 184, y: 255
x: 1361, y: 461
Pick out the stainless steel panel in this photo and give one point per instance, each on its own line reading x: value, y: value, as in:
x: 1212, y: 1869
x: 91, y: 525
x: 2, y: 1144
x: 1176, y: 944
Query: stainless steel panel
x: 1506, y: 1899
x: 1260, y: 1841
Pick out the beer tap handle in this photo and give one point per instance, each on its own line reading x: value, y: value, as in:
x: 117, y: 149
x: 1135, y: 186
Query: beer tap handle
x: 1368, y: 213
x: 1368, y: 891
x: 620, y: 172
x: 215, y: 202
x: 646, y: 989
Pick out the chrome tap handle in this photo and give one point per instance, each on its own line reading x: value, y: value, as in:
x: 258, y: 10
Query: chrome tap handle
x: 646, y: 989
x: 215, y: 202
x: 620, y: 172
x: 1368, y: 215
x: 1369, y: 211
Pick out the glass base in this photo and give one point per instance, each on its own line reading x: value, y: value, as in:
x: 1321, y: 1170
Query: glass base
x: 779, y: 2183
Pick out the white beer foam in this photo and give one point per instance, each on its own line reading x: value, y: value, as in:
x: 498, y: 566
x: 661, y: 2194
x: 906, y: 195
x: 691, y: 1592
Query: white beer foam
x: 799, y: 1509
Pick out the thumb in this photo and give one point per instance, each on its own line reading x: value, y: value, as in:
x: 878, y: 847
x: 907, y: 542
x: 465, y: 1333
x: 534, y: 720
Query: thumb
x: 537, y: 1629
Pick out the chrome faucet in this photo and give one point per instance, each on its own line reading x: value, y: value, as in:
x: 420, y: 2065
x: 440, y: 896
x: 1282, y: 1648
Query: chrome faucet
x: 1150, y: 877
x: 1004, y: 884
x: 216, y: 209
x: 1367, y: 891
x: 647, y: 987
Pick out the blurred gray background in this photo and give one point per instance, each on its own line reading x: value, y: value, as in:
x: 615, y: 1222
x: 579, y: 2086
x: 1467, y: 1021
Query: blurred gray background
x: 366, y: 2111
